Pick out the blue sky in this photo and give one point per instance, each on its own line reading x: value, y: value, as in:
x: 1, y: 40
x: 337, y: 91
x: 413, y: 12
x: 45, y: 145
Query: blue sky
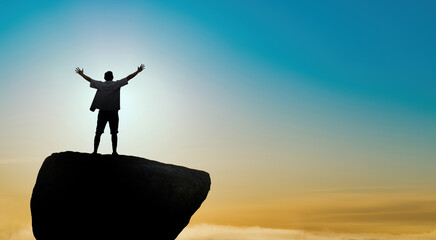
x: 381, y: 48
x: 377, y: 50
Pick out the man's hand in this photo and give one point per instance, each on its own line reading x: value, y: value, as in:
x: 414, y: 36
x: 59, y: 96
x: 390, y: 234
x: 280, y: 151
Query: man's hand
x: 140, y: 68
x: 80, y: 72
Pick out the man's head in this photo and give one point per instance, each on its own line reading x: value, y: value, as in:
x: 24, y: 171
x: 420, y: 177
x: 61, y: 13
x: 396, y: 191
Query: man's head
x: 108, y: 76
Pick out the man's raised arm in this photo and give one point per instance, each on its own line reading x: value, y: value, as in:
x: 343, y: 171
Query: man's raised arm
x: 140, y: 68
x: 80, y: 72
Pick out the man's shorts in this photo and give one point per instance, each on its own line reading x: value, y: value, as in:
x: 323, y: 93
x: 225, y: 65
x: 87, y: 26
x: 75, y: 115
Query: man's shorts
x: 107, y: 116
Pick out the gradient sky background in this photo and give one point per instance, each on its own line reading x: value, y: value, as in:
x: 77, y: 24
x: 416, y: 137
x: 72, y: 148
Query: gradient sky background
x: 309, y: 115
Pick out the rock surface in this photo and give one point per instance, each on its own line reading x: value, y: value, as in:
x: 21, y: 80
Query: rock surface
x: 84, y: 196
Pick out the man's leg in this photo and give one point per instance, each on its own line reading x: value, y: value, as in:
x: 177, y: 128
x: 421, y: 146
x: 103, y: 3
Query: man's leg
x: 96, y: 142
x: 113, y: 125
x: 101, y: 124
x: 114, y: 144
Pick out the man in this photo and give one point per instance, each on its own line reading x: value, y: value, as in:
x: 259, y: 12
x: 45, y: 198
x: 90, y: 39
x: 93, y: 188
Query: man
x: 107, y: 100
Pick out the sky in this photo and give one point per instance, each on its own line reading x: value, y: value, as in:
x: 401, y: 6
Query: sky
x: 314, y: 118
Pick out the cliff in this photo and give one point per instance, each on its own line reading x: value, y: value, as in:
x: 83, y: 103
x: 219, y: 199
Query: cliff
x: 85, y: 196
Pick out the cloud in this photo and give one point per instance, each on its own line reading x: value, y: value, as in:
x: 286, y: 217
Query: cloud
x: 216, y: 232
x: 21, y: 234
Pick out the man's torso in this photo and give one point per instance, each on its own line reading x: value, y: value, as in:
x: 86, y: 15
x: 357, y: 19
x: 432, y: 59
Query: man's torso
x: 107, y: 97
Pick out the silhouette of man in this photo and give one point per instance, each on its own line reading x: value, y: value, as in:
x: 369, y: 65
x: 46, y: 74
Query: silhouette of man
x: 107, y: 100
